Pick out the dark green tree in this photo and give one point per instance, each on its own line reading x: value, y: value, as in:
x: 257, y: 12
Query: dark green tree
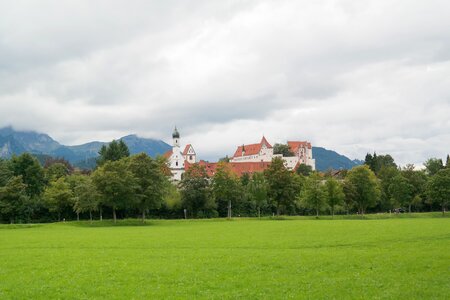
x: 377, y: 162
x: 282, y: 186
x: 438, y: 188
x: 196, y: 194
x: 257, y: 188
x: 386, y: 176
x: 433, y: 165
x: 5, y: 172
x: 401, y: 191
x: 58, y: 196
x: 31, y: 171
x: 13, y: 197
x: 85, y: 195
x: 282, y: 149
x: 314, y: 194
x: 334, y: 194
x: 56, y: 170
x: 227, y: 189
x: 304, y: 170
x: 151, y: 181
x: 114, y: 151
x: 366, y: 187
x: 116, y: 185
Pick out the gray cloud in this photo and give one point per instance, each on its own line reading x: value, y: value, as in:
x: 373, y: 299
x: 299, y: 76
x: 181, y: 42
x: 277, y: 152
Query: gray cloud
x: 354, y: 76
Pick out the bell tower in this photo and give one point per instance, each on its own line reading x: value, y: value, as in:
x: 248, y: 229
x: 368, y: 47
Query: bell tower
x: 176, y: 138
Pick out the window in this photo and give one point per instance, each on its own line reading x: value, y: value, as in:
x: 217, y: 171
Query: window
x: 176, y: 164
x: 190, y: 157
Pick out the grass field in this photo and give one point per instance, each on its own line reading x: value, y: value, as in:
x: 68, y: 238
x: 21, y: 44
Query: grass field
x: 396, y: 258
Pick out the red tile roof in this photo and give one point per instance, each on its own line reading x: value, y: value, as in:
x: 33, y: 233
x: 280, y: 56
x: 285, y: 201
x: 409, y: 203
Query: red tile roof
x: 252, y: 149
x: 186, y: 149
x: 294, y: 146
x: 238, y: 168
x: 168, y: 154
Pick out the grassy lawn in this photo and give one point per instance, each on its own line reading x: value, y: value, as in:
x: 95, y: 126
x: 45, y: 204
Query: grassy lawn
x: 396, y: 258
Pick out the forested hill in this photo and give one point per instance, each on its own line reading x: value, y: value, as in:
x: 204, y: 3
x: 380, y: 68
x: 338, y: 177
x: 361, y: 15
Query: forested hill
x: 83, y: 156
x: 17, y: 142
x: 329, y: 159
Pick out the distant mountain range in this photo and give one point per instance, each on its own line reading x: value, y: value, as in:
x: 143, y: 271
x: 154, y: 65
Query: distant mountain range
x: 84, y: 156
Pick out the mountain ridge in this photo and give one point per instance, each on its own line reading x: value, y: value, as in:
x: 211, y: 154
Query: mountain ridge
x: 84, y: 156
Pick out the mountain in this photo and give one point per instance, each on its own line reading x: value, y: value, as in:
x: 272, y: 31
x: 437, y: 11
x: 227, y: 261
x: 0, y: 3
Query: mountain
x: 84, y: 156
x: 328, y: 159
x: 14, y: 142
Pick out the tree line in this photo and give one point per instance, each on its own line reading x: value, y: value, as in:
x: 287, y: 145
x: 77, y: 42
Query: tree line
x: 138, y: 185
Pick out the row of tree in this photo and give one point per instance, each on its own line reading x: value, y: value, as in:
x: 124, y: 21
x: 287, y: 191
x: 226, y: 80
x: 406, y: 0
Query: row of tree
x: 125, y: 186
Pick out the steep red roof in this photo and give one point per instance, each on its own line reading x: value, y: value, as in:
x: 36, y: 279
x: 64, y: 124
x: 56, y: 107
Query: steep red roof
x: 295, y: 145
x: 168, y: 154
x: 238, y: 168
x: 186, y: 149
x: 252, y: 149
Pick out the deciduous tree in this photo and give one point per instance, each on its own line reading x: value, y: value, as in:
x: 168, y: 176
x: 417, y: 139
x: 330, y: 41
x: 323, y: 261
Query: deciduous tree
x: 438, y: 188
x: 365, y: 185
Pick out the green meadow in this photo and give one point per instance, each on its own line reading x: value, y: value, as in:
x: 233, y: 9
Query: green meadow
x: 374, y: 258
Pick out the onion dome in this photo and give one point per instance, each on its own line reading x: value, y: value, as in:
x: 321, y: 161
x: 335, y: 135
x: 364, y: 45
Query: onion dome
x: 176, y: 134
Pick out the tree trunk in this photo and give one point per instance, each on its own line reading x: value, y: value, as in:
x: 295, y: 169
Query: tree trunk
x: 90, y: 216
x: 78, y: 216
x: 59, y: 216
x: 409, y: 208
x: 332, y: 212
x: 101, y: 214
x: 317, y: 212
x: 229, y: 209
x: 259, y: 212
x: 443, y: 210
x: 114, y: 215
x: 143, y: 216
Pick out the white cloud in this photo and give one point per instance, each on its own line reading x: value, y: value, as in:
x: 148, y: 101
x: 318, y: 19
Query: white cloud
x: 353, y: 76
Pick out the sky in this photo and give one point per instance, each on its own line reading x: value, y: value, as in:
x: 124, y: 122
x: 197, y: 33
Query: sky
x: 351, y: 76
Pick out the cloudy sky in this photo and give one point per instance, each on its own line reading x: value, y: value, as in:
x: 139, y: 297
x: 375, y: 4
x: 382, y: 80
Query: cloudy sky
x: 352, y: 76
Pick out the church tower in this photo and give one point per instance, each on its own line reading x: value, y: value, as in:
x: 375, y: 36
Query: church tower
x: 176, y: 138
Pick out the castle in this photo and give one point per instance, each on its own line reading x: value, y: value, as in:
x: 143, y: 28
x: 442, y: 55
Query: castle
x: 249, y: 158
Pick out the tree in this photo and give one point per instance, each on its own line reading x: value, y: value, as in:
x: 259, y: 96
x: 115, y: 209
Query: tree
x: 304, y: 170
x: 282, y: 149
x: 433, y: 165
x: 58, y: 196
x: 85, y: 195
x: 350, y: 195
x: 438, y: 188
x: 151, y: 182
x: 334, y: 194
x: 12, y: 198
x: 366, y: 187
x: 31, y: 171
x: 401, y: 191
x: 377, y: 162
x: 56, y: 170
x: 386, y: 176
x: 196, y: 195
x: 417, y: 180
x: 258, y: 191
x: 313, y: 195
x: 117, y: 185
x: 114, y: 151
x: 447, y: 162
x: 282, y: 189
x: 5, y: 172
x: 226, y: 188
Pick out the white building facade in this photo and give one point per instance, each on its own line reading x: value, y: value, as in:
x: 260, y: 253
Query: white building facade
x: 263, y: 152
x: 177, y: 159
